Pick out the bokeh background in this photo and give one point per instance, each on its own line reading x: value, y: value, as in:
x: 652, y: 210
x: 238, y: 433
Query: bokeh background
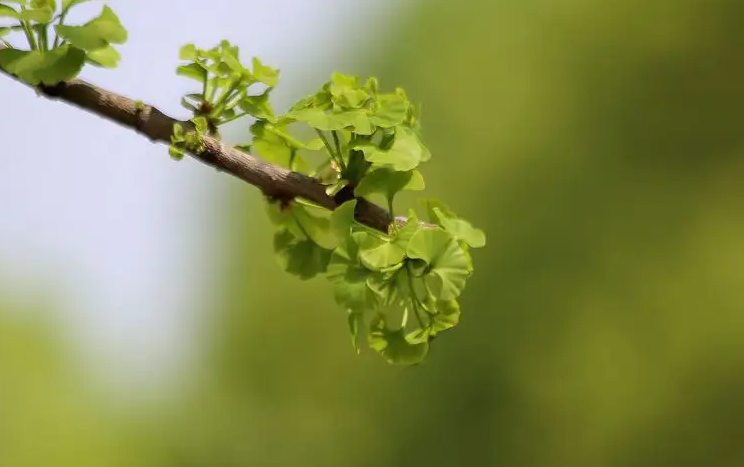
x: 598, y: 144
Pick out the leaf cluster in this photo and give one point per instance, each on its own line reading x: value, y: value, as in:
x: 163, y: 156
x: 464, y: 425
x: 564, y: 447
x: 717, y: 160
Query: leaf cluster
x: 57, y: 51
x: 400, y: 287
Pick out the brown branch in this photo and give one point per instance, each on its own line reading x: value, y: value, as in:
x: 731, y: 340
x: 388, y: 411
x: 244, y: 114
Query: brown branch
x: 273, y: 180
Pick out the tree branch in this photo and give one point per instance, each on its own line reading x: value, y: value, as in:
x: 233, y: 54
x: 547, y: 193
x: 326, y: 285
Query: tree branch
x: 273, y: 180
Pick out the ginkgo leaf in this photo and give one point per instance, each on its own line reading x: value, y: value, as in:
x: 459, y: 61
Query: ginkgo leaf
x: 446, y: 259
x: 406, y: 153
x: 46, y: 67
x: 97, y: 33
x: 303, y: 258
x: 391, y: 111
x: 342, y: 218
x: 378, y: 254
x: 332, y: 121
x: 460, y: 228
x: 106, y: 57
x: 346, y: 92
x: 395, y: 346
x: 349, y: 277
x: 389, y: 182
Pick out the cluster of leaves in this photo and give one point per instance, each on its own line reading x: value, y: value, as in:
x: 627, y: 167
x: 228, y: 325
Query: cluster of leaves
x: 57, y: 52
x: 400, y: 287
x: 226, y: 92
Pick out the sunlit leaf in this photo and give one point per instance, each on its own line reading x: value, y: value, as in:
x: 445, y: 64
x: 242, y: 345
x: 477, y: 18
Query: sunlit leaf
x: 406, y: 153
x: 391, y: 111
x: 193, y: 71
x: 346, y: 91
x: 35, y: 67
x: 389, y: 182
x: 265, y: 74
x: 106, y: 57
x: 446, y: 259
x: 342, y: 218
x: 349, y: 277
x: 460, y: 228
x: 97, y: 33
x: 395, y: 346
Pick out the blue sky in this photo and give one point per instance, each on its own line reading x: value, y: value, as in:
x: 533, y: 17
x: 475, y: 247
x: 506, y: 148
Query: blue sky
x: 93, y: 216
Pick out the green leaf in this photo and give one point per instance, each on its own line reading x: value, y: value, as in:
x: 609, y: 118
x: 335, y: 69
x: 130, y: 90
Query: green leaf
x: 8, y: 12
x: 8, y: 29
x: 342, y: 218
x: 395, y: 346
x: 265, y: 74
x: 389, y: 182
x: 405, y: 154
x: 349, y: 277
x: 460, y: 228
x: 273, y: 150
x: 201, y: 124
x: 446, y: 317
x: 187, y: 52
x: 303, y: 258
x: 35, y: 67
x: 175, y: 153
x: 193, y: 71
x: 326, y: 121
x: 377, y: 254
x: 99, y: 32
x: 39, y: 15
x: 391, y: 110
x: 346, y: 91
x: 355, y: 320
x: 106, y: 57
x: 445, y: 257
x: 257, y: 106
x: 313, y: 226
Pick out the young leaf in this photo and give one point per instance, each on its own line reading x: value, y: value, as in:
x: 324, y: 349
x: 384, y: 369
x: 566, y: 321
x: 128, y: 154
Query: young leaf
x: 391, y: 110
x: 342, y: 218
x: 265, y: 74
x: 377, y: 254
x: 445, y: 257
x: 460, y: 228
x: 346, y: 91
x: 38, y: 15
x: 302, y: 258
x: 257, y: 106
x: 57, y: 65
x: 106, y: 57
x: 99, y: 32
x: 193, y: 71
x: 405, y: 154
x: 8, y: 12
x: 389, y: 182
x: 187, y: 52
x: 395, y: 346
x: 323, y: 121
x: 349, y: 277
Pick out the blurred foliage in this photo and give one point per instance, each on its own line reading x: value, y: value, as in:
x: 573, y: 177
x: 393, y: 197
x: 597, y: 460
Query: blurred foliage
x: 598, y: 143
